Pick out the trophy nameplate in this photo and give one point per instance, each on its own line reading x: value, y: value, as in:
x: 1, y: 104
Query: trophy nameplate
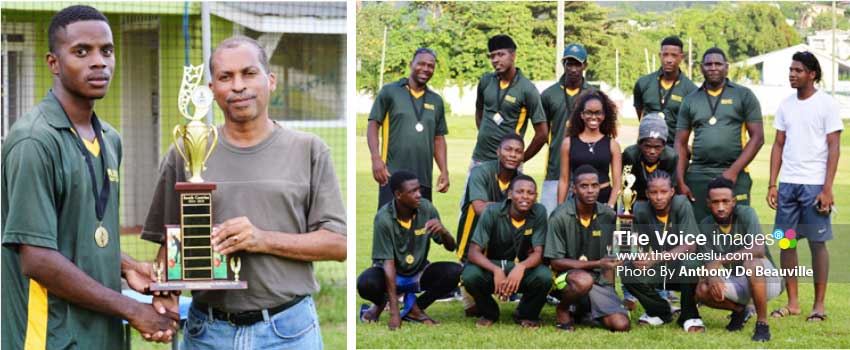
x: 190, y: 262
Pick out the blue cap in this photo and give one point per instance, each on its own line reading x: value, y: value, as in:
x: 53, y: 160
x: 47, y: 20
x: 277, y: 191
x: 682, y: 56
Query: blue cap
x: 575, y: 51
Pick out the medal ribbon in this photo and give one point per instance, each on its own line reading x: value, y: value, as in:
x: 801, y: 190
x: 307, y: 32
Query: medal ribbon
x: 501, y: 99
x: 418, y: 112
x: 100, y: 200
x: 666, y: 97
x: 716, y: 103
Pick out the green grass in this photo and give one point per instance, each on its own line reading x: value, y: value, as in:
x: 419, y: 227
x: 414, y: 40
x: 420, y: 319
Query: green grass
x: 330, y: 301
x: 459, y: 332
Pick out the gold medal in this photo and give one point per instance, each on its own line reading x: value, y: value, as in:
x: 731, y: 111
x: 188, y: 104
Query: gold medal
x: 101, y: 236
x: 712, y: 121
x: 409, y: 259
x: 583, y: 258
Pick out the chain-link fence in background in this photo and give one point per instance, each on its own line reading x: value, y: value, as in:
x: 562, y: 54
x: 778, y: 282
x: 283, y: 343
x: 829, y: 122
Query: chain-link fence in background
x: 305, y: 43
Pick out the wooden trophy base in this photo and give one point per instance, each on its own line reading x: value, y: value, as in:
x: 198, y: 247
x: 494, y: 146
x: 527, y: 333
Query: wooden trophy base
x: 198, y: 285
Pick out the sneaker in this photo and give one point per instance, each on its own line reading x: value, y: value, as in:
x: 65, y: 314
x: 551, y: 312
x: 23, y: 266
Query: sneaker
x: 737, y: 320
x: 761, y: 332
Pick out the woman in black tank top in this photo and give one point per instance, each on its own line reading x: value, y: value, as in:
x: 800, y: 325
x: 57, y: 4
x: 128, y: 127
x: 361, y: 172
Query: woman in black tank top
x: 590, y: 139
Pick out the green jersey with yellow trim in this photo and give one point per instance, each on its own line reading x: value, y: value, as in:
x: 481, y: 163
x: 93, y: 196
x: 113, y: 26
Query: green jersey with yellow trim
x: 569, y: 238
x: 744, y: 229
x: 407, y: 246
x: 405, y: 145
x: 483, y: 184
x: 48, y: 202
x: 506, y: 109
x: 718, y: 123
x: 502, y: 240
x: 652, y: 96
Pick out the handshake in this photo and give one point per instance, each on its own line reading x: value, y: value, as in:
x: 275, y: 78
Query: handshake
x: 159, y: 320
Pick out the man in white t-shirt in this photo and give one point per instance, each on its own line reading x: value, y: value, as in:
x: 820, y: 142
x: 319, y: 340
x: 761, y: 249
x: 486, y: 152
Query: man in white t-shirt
x: 808, y: 130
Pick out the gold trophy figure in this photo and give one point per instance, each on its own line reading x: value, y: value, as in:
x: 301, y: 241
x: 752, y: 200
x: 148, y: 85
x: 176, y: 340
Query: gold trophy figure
x: 191, y: 263
x: 628, y: 194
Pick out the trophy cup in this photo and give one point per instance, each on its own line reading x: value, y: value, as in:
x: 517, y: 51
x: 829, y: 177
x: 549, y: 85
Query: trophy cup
x: 627, y: 201
x: 191, y: 263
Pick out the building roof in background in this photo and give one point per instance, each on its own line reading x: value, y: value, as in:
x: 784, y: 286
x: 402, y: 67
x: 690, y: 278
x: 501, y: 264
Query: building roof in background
x: 280, y: 17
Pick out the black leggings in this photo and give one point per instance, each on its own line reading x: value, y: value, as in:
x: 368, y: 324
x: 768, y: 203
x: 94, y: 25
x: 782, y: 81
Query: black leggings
x: 437, y: 280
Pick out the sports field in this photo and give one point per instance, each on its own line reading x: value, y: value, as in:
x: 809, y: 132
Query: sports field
x: 457, y: 331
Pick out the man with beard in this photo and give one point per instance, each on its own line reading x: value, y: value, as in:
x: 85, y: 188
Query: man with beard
x: 412, y: 119
x: 558, y: 102
x: 506, y: 255
x: 718, y: 113
x: 668, y: 214
x: 577, y: 244
x: 506, y: 101
x: 732, y: 231
x: 403, y: 231
x: 663, y: 91
x: 278, y: 208
x: 62, y: 261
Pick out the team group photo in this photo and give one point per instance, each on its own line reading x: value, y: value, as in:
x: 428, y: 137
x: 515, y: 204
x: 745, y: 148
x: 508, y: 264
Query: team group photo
x: 521, y: 185
x: 364, y: 174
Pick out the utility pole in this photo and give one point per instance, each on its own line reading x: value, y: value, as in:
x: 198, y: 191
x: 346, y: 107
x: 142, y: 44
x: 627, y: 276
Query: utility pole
x: 559, y: 42
x: 383, y: 57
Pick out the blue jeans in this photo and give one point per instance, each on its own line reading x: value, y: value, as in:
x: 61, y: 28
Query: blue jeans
x: 293, y: 328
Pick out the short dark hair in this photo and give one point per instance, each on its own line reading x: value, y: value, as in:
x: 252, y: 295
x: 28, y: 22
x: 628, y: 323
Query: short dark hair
x: 584, y: 169
x: 399, y: 178
x: 809, y: 61
x: 714, y: 50
x: 721, y: 182
x: 511, y: 136
x: 235, y: 41
x: 424, y: 50
x: 659, y: 175
x: 521, y: 177
x: 69, y: 15
x: 672, y: 41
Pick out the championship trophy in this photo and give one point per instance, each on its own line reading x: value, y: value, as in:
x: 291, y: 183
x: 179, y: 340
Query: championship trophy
x: 627, y: 201
x: 191, y: 263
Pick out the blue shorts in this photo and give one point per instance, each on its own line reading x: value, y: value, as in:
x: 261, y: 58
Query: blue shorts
x: 796, y: 210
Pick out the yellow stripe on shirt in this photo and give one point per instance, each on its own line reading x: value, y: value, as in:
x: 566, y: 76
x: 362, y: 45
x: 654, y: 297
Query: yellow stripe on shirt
x: 385, y: 128
x: 744, y: 140
x: 467, y: 226
x: 522, y: 113
x: 36, y: 336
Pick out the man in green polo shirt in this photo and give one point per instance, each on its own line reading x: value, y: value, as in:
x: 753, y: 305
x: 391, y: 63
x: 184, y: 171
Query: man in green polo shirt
x: 664, y: 90
x: 558, y: 103
x: 665, y: 214
x: 578, y: 244
x: 734, y: 234
x: 506, y: 255
x: 649, y: 154
x: 506, y: 101
x: 403, y: 231
x: 413, y: 122
x: 62, y: 262
x: 720, y: 114
x: 488, y: 184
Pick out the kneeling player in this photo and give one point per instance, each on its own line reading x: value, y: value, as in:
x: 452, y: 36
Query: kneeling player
x: 403, y: 230
x: 732, y: 229
x: 580, y: 232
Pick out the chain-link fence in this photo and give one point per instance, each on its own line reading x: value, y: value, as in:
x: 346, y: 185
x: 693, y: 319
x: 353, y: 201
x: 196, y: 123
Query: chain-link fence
x: 305, y: 43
